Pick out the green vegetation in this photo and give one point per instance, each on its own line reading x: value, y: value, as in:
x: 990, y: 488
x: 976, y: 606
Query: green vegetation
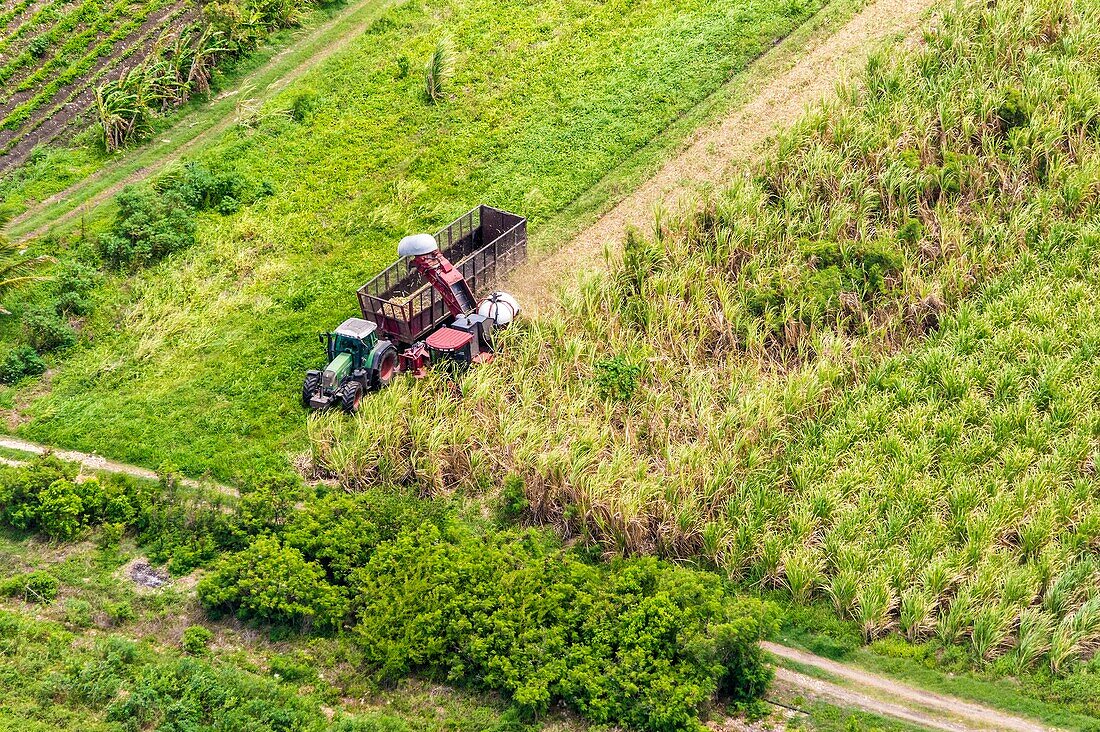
x: 195, y: 355
x: 54, y: 682
x: 860, y: 379
x: 639, y: 643
x: 16, y: 269
x: 184, y: 63
x: 866, y: 369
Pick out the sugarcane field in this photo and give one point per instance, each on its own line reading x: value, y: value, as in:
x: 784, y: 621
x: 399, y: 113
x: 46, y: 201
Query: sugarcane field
x: 578, y: 365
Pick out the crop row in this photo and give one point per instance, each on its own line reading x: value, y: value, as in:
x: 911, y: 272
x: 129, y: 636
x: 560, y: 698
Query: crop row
x: 47, y: 13
x: 69, y: 43
x: 77, y: 69
x: 16, y: 10
x: 60, y: 33
x: 727, y: 393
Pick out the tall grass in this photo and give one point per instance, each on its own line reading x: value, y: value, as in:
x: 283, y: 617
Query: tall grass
x: 865, y: 368
x: 437, y: 69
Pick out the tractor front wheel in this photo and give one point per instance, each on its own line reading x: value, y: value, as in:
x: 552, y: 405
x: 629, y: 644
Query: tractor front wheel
x: 310, y: 386
x: 351, y: 396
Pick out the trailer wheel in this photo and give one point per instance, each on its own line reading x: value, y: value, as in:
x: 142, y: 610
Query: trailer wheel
x: 385, y: 362
x: 351, y: 396
x: 309, y: 387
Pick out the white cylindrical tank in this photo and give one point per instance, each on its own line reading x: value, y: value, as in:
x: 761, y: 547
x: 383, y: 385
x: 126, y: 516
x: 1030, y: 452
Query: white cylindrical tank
x: 501, y: 307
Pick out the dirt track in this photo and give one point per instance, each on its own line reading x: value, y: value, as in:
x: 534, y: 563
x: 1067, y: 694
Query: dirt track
x: 711, y: 153
x: 97, y: 463
x: 888, y: 698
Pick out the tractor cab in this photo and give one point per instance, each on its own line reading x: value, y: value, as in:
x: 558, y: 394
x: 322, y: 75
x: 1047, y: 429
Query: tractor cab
x: 355, y: 337
x: 358, y: 361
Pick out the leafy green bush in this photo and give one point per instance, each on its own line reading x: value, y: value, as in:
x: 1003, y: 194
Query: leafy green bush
x: 617, y: 378
x: 38, y: 46
x: 60, y: 511
x: 78, y: 613
x: 341, y: 531
x: 642, y: 644
x: 20, y: 488
x: 37, y: 586
x: 204, y: 189
x: 46, y: 497
x: 119, y: 612
x: 273, y: 583
x: 73, y: 285
x: 21, y: 361
x: 148, y: 226
x: 46, y: 331
x: 293, y: 668
x: 196, y: 639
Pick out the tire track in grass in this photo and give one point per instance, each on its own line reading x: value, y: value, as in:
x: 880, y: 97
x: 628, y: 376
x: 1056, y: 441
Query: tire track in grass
x: 333, y: 37
x: 710, y: 154
x: 888, y: 698
x: 100, y: 464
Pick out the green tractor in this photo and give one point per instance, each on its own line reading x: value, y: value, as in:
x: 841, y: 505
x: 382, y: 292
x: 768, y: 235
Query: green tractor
x: 358, y: 361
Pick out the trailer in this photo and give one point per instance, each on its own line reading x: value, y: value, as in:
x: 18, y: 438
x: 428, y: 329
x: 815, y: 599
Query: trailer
x: 484, y: 244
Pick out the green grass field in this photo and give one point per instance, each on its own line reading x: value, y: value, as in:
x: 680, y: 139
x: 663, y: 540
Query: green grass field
x: 197, y: 361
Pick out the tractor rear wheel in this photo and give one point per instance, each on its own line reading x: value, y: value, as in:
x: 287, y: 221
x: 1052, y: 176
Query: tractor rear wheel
x: 385, y: 366
x: 310, y: 386
x: 351, y: 396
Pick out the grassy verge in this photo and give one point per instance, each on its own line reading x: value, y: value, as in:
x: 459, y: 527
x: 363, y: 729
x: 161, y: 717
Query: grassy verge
x: 1030, y: 701
x: 13, y: 454
x: 197, y: 361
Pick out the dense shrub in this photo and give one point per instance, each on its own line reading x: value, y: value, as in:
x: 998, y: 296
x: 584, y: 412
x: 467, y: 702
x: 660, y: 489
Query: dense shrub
x: 156, y: 220
x: 20, y: 361
x: 21, y: 487
x: 274, y: 583
x: 642, y: 644
x: 73, y: 284
x: 47, y: 497
x: 204, y: 189
x: 78, y: 613
x: 148, y: 225
x: 617, y: 378
x: 341, y: 531
x: 34, y: 586
x: 46, y: 331
x: 196, y: 639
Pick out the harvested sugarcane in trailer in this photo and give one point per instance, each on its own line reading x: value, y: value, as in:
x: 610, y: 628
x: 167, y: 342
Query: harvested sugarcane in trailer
x: 433, y: 307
